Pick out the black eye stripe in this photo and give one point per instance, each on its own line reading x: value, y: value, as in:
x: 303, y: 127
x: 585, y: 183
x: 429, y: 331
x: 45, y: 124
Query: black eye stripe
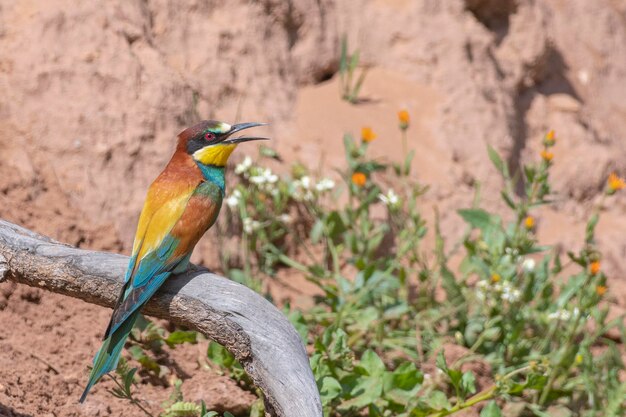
x: 200, y: 141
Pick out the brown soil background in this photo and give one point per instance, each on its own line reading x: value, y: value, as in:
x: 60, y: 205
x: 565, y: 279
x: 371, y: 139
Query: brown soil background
x: 92, y: 95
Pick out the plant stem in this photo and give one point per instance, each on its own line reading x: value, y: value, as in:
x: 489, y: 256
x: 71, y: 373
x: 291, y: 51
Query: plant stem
x: 554, y: 373
x: 404, y: 146
x: 484, y: 395
x: 131, y: 399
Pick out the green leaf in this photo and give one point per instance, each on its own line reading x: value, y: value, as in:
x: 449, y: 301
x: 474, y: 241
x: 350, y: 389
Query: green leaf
x: 440, y: 362
x: 450, y: 285
x: 343, y: 61
x: 336, y: 226
x: 536, y: 382
x: 507, y: 199
x: 354, y: 61
x: 402, y: 385
x: 480, y: 219
x: 269, y: 152
x: 219, y: 355
x: 181, y: 336
x: 491, y: 410
x: 330, y: 389
x: 468, y: 383
x: 530, y: 173
x: 182, y: 409
x: 407, y: 162
x: 495, y: 159
x: 371, y: 364
x: 316, y: 231
x: 437, y: 400
x: 357, y: 87
x: 299, y: 322
x: 366, y: 391
x: 147, y: 362
x: 591, y: 227
x: 128, y: 380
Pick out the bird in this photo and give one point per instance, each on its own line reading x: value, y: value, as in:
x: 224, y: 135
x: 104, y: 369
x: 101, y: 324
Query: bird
x: 182, y: 203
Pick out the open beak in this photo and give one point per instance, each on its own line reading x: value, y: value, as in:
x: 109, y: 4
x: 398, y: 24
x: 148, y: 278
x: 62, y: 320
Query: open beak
x: 239, y: 127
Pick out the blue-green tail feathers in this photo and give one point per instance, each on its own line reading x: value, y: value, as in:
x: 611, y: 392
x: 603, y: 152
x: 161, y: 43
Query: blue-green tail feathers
x: 142, y: 281
x: 109, y: 354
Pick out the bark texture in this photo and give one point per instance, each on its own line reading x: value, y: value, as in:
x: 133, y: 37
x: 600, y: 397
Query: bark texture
x: 246, y: 324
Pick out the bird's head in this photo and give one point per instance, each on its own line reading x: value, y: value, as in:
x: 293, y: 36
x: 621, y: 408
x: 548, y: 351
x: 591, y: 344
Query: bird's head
x: 211, y: 142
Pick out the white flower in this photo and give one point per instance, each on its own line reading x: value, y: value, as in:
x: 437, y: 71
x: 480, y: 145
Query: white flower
x: 233, y: 200
x: 250, y: 225
x: 257, y: 179
x: 325, y: 184
x: 243, y: 166
x: 305, y: 182
x: 564, y: 315
x: 264, y: 176
x: 270, y: 177
x: 561, y: 315
x: 528, y: 265
x: 511, y: 294
x: 390, y: 200
x: 285, y: 218
x: 302, y: 189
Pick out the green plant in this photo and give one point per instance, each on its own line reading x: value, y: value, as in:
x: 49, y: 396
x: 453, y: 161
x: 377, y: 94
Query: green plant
x: 388, y: 310
x: 175, y: 406
x: 508, y: 305
x: 348, y: 64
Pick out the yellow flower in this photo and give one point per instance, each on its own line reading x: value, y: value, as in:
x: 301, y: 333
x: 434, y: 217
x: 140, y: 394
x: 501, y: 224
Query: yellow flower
x: 404, y: 119
x: 615, y: 183
x: 529, y: 222
x: 367, y: 134
x: 549, y: 139
x: 594, y: 268
x: 359, y: 179
x: 547, y: 156
x: 601, y: 290
x: 495, y: 278
x: 579, y: 359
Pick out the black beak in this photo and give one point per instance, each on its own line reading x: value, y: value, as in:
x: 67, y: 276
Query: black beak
x: 239, y: 127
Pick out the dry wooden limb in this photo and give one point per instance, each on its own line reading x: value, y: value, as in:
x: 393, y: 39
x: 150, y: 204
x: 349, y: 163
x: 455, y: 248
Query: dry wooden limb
x: 246, y: 324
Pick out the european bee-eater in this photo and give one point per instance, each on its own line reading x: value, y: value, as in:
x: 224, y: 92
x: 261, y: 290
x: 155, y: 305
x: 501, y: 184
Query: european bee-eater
x: 182, y: 203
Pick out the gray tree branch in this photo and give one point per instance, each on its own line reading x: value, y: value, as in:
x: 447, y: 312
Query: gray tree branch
x: 250, y: 327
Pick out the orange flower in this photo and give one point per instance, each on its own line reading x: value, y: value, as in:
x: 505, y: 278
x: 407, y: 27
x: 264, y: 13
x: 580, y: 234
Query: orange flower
x: 367, y: 134
x: 404, y: 119
x: 359, y: 179
x: 594, y: 268
x: 529, y: 222
x: 495, y: 278
x: 615, y: 183
x: 601, y: 290
x: 547, y: 156
x: 549, y: 139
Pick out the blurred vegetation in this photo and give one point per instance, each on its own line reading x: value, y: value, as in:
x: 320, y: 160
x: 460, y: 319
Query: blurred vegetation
x: 349, y: 84
x: 389, y: 311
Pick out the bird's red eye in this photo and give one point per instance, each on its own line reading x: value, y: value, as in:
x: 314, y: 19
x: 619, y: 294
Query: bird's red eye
x: 209, y: 136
